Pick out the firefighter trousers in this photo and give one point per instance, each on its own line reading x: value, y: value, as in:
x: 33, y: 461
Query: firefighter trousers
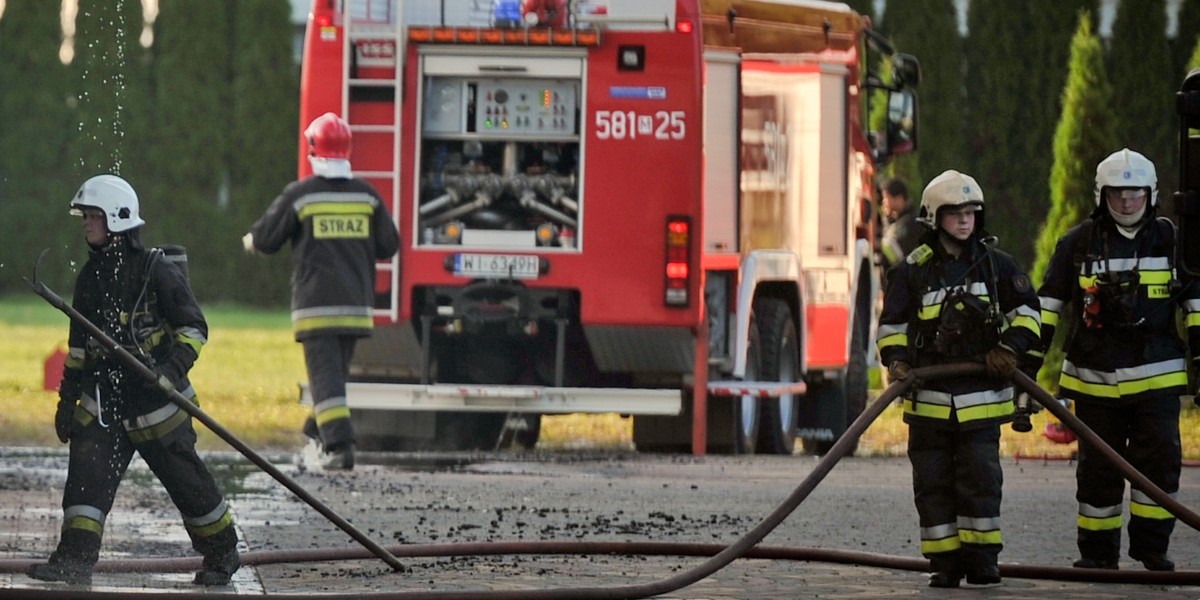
x: 1146, y: 433
x: 957, y: 482
x: 99, y: 458
x: 327, y: 359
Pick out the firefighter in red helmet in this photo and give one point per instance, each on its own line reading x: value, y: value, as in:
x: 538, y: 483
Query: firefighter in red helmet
x: 338, y: 226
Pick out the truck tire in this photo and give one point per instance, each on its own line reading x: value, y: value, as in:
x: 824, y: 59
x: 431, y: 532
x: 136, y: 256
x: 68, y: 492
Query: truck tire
x: 780, y: 362
x: 746, y: 409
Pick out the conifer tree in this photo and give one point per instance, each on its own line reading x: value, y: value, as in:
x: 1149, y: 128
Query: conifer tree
x: 928, y: 30
x: 1186, y: 36
x: 1144, y: 83
x: 106, y: 45
x: 35, y: 184
x: 264, y: 136
x: 190, y: 67
x: 1085, y: 135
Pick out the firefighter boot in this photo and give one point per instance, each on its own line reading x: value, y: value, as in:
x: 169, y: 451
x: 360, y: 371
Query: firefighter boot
x: 67, y: 571
x: 339, y: 458
x: 945, y: 570
x: 218, y: 569
x: 1095, y: 563
x: 1154, y: 561
x: 988, y: 575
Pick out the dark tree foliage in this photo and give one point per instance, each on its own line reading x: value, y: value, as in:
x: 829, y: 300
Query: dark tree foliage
x: 36, y: 179
x: 262, y: 152
x: 1012, y: 106
x: 1144, y: 83
x: 928, y: 29
x: 1085, y: 135
x: 106, y: 45
x: 862, y: 7
x: 1187, y: 36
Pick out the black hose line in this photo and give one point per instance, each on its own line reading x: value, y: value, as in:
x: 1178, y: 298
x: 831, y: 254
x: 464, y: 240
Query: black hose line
x: 720, y: 556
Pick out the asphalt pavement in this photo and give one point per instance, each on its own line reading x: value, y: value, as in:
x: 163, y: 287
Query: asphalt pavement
x: 863, y: 506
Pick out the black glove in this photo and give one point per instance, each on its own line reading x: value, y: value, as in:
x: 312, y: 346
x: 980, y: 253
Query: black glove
x: 63, y: 418
x: 901, y: 371
x: 68, y: 396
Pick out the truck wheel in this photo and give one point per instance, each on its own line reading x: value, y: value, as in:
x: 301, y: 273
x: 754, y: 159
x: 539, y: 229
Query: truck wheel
x: 857, y: 380
x: 780, y: 362
x: 746, y: 408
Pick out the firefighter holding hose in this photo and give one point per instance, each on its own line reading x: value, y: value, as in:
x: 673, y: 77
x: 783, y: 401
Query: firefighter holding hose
x: 338, y: 227
x: 1125, y: 366
x: 957, y: 298
x: 106, y: 411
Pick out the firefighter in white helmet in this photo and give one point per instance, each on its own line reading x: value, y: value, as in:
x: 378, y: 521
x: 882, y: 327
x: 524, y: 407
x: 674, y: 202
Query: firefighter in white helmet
x: 106, y: 411
x: 1125, y: 365
x: 338, y: 226
x: 954, y: 299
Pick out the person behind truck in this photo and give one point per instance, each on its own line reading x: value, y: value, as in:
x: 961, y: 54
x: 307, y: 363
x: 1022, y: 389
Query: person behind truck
x: 1125, y: 365
x: 106, y: 411
x: 338, y: 226
x: 956, y: 298
x: 901, y: 231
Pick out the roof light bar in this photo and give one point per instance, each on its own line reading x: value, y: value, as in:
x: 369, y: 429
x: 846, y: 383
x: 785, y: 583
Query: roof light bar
x: 511, y: 37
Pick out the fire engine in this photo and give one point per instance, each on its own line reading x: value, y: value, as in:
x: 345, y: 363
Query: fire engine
x: 656, y: 208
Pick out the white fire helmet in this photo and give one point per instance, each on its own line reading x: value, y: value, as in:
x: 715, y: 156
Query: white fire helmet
x: 112, y: 195
x: 1126, y: 169
x: 951, y: 188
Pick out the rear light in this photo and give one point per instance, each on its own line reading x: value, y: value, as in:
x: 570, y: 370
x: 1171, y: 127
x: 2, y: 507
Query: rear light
x: 679, y: 252
x: 683, y: 27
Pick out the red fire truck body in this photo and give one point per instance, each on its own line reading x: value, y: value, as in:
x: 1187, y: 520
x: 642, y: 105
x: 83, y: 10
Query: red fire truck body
x: 661, y: 210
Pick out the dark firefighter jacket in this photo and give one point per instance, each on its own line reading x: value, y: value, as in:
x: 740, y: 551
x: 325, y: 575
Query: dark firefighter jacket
x: 338, y: 228
x: 913, y: 309
x: 1132, y: 348
x: 144, y: 302
x: 900, y: 238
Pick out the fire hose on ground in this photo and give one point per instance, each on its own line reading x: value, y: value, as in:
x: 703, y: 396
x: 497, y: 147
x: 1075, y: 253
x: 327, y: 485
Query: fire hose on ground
x: 720, y: 556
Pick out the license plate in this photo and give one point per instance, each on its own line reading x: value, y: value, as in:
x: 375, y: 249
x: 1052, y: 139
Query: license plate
x: 507, y: 266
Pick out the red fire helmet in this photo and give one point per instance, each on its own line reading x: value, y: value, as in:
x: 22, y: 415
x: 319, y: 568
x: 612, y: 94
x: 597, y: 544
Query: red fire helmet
x: 328, y: 137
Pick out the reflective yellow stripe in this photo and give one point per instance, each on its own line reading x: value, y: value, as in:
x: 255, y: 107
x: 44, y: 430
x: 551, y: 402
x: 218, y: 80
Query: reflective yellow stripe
x: 1099, y: 524
x: 1193, y: 319
x: 85, y: 524
x: 1029, y: 323
x: 938, y: 546
x: 348, y: 322
x: 921, y: 409
x: 930, y: 312
x: 1154, y: 277
x: 340, y: 412
x: 338, y: 208
x: 1148, y: 511
x: 1123, y: 388
x: 1049, y: 318
x: 986, y: 411
x: 896, y: 339
x: 213, y: 528
x: 970, y: 536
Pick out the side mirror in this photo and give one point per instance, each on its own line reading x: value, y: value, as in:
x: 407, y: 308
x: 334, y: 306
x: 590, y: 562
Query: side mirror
x: 1187, y: 199
x: 906, y: 70
x: 901, y: 134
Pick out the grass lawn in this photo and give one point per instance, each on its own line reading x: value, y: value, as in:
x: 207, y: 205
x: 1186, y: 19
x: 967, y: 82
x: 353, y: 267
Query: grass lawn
x: 248, y: 375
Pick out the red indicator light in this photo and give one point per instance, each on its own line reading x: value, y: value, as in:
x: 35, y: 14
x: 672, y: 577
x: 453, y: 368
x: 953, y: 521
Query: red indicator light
x: 683, y: 27
x: 677, y: 270
x: 678, y: 227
